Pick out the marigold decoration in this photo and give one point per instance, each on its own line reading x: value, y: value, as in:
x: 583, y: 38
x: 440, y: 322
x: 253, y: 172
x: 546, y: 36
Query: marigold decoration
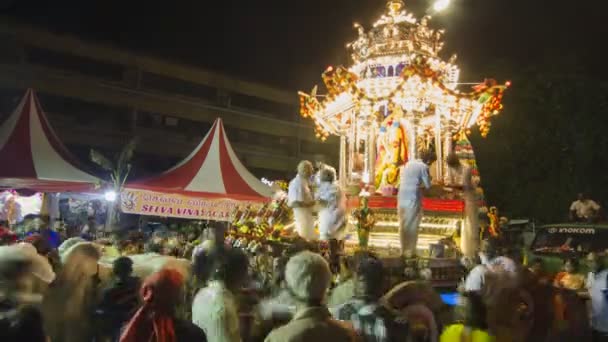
x: 261, y: 223
x: 397, y: 67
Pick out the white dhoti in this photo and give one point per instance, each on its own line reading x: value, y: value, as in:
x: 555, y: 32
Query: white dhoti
x: 469, y: 237
x: 331, y: 224
x: 305, y: 223
x: 410, y: 214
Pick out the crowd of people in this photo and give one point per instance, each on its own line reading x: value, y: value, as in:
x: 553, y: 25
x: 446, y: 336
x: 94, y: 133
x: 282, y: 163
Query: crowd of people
x: 60, y: 294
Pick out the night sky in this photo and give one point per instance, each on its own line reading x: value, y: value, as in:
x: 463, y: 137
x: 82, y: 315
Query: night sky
x: 548, y: 144
x: 289, y: 43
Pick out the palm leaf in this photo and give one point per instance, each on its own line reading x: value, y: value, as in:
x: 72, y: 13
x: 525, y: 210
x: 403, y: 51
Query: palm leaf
x: 127, y: 154
x: 102, y: 161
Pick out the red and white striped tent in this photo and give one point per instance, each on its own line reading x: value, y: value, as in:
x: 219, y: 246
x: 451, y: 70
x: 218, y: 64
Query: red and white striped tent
x: 212, y: 170
x: 33, y: 157
x: 208, y: 184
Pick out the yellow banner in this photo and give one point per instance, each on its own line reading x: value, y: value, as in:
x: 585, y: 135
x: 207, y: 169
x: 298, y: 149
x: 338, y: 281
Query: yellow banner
x: 143, y: 202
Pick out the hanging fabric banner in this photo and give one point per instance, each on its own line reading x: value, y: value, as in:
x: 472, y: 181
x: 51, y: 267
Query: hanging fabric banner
x: 144, y: 202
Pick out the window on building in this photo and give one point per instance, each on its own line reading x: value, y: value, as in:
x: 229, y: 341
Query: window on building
x: 264, y: 107
x: 84, y: 112
x: 176, y: 86
x: 76, y: 64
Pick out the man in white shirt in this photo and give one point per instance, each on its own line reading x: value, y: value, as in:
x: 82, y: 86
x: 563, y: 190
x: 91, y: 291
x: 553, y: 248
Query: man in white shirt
x: 490, y: 262
x: 584, y: 209
x: 597, y: 285
x: 215, y: 309
x: 301, y: 200
x: 462, y: 178
x: 414, y: 176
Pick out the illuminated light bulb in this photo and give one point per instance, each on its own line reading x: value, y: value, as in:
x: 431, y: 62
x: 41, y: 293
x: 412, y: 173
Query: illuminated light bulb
x: 110, y: 196
x: 441, y: 5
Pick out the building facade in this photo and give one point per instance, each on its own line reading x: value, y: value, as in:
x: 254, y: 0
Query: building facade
x: 99, y: 97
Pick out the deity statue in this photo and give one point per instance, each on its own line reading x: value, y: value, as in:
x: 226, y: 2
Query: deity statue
x: 10, y: 209
x: 365, y: 220
x: 392, y: 151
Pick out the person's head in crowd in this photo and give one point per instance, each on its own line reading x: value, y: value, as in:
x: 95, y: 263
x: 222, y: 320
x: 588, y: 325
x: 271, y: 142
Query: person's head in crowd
x: 67, y: 244
x: 161, y: 294
x: 305, y: 169
x: 571, y: 265
x: 515, y: 255
x: 297, y: 247
x: 202, y: 261
x: 44, y: 222
x: 427, y: 156
x: 582, y: 196
x: 153, y: 246
x: 7, y: 237
x: 369, y: 278
x: 452, y: 160
x: 536, y: 266
x: 15, y: 272
x: 231, y: 267
x: 594, y: 262
x: 307, y: 278
x: 488, y: 251
x: 347, y: 267
x: 123, y: 267
x: 470, y: 262
x: 23, y: 270
x: 327, y: 175
x: 92, y: 222
x: 40, y: 243
x: 476, y: 312
x: 216, y: 233
x: 80, y: 261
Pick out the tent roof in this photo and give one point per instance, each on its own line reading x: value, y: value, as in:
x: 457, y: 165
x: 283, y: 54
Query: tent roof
x: 32, y: 155
x: 211, y: 170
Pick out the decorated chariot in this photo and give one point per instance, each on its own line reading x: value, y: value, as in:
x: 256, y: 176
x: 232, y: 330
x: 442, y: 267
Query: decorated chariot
x: 397, y: 98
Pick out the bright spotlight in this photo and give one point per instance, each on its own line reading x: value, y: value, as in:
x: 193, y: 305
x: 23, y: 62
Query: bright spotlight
x: 110, y: 196
x: 441, y: 5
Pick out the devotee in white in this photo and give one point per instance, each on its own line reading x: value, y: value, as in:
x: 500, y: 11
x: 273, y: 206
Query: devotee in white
x: 461, y: 177
x: 502, y: 265
x: 597, y: 284
x: 300, y: 199
x: 215, y: 307
x: 584, y: 209
x: 414, y: 176
x: 332, y: 222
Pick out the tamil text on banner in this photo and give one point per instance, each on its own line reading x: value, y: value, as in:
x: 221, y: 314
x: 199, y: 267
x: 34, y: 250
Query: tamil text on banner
x: 145, y: 202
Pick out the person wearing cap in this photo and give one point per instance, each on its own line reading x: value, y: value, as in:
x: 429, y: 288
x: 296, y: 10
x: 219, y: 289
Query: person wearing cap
x: 215, y: 308
x: 20, y: 320
x: 371, y: 320
x: 301, y: 200
x: 307, y: 278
